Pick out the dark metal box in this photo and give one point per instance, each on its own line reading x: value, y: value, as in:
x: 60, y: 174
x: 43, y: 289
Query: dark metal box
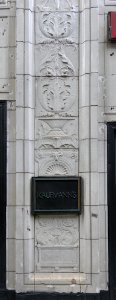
x: 55, y: 194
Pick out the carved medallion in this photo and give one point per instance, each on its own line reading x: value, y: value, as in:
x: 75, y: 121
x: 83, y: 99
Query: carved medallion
x: 55, y: 25
x: 57, y: 96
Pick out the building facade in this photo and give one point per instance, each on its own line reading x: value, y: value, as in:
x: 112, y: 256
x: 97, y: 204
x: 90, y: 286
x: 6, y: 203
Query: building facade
x: 57, y: 102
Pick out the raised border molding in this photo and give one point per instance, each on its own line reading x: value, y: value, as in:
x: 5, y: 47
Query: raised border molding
x: 110, y: 2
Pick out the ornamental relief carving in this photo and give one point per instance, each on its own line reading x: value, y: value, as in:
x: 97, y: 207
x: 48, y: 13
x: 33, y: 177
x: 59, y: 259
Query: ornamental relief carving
x: 57, y: 96
x: 60, y: 231
x: 56, y: 26
x: 56, y: 60
x: 57, y: 5
x: 56, y: 133
x: 57, y: 64
x: 57, y: 163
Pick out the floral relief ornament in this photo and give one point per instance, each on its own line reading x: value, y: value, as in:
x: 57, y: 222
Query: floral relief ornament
x: 56, y: 95
x: 55, y: 25
x: 57, y: 64
x: 56, y: 4
x: 57, y: 232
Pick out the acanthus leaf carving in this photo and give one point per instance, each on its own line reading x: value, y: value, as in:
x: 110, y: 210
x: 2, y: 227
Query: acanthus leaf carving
x: 57, y: 5
x: 57, y: 97
x: 56, y: 26
x: 56, y: 64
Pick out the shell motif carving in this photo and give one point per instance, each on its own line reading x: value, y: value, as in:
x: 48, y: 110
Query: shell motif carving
x: 56, y: 25
x: 57, y: 231
x: 57, y: 64
x: 56, y: 163
x: 56, y: 169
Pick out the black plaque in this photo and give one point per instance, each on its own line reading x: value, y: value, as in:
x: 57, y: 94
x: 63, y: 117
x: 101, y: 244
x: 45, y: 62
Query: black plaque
x: 55, y: 194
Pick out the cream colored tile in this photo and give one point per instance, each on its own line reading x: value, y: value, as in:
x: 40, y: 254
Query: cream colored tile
x: 95, y: 256
x: 85, y: 256
x: 20, y: 90
x: 4, y: 71
x: 19, y: 156
x: 19, y: 123
x: 84, y: 96
x: 11, y: 221
x: 29, y: 59
x: 29, y: 24
x: 20, y: 188
x: 94, y: 22
x: 28, y: 177
x: 94, y: 155
x: 84, y: 123
x: 84, y: 4
x: 29, y: 91
x: 11, y: 189
x: 20, y: 58
x: 11, y: 126
x: 84, y: 156
x: 28, y: 223
x: 19, y: 256
x: 10, y: 280
x: 20, y: 25
x: 94, y: 122
x: 19, y: 222
x: 29, y: 156
x: 29, y: 123
x: 94, y: 88
x: 94, y: 56
x: 11, y: 157
x: 94, y: 189
x: 28, y: 256
x: 94, y: 222
x: 85, y: 230
x: 85, y: 26
x: 84, y: 58
x: 11, y: 255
